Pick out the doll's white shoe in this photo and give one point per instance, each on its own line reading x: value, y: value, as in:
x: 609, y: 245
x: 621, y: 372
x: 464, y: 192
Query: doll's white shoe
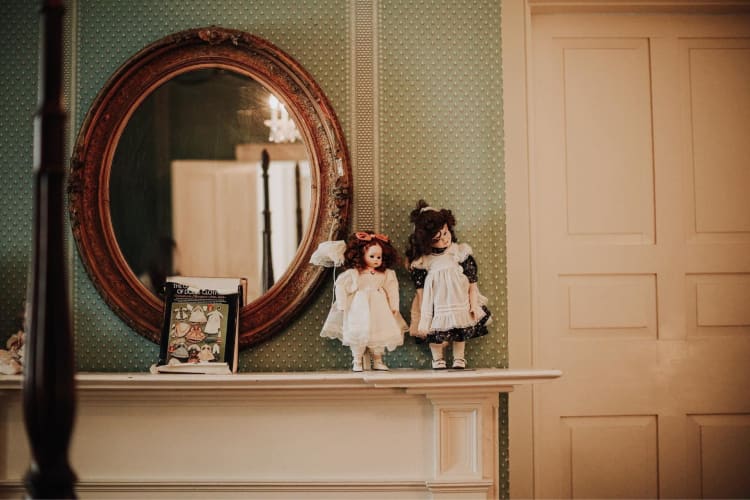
x: 438, y: 364
x: 377, y: 364
x: 459, y: 363
x: 357, y: 365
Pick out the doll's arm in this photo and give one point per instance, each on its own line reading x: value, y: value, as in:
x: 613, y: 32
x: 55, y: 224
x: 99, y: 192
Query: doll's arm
x: 391, y: 290
x: 469, y: 266
x: 416, y: 316
x: 340, y: 297
x: 341, y: 291
x: 474, y: 307
x: 418, y: 328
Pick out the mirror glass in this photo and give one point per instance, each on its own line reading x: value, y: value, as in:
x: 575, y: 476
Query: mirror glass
x: 210, y: 152
x: 188, y: 188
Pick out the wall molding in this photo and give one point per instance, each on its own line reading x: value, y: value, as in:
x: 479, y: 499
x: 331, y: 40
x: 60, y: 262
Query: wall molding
x: 238, y: 489
x: 249, y: 489
x: 364, y: 142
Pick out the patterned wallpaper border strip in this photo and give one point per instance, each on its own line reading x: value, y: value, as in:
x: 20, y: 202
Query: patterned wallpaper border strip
x: 364, y: 141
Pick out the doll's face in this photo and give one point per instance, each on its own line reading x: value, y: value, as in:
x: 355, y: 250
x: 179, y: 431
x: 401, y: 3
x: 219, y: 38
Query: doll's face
x: 373, y: 256
x: 442, y: 238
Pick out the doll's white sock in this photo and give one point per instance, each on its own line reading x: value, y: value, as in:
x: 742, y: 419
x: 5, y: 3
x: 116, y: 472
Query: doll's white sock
x: 437, y: 351
x: 458, y: 350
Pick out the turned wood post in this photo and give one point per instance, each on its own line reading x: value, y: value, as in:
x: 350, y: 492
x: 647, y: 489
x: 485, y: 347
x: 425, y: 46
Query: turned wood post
x: 48, y: 383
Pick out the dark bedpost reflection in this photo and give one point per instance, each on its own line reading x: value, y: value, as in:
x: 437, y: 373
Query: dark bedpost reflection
x: 48, y: 384
x: 298, y: 201
x: 267, y: 279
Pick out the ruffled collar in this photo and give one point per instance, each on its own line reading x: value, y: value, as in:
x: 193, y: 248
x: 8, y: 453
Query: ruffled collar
x: 457, y: 251
x: 440, y: 251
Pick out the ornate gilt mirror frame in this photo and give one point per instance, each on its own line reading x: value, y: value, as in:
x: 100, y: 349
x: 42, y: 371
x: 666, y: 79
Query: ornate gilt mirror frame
x: 91, y: 165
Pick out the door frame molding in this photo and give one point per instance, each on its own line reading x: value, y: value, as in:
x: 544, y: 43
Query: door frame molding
x: 517, y: 54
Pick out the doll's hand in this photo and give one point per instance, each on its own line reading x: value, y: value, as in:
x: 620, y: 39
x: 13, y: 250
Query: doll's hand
x: 423, y: 327
x: 421, y: 334
x: 475, y: 312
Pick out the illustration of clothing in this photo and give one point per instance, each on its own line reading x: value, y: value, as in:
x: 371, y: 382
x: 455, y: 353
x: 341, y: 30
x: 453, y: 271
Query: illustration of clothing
x: 181, y: 329
x: 180, y: 352
x: 213, y: 325
x: 181, y: 313
x: 444, y: 311
x: 361, y: 316
x: 206, y: 354
x: 195, y: 334
x: 197, y: 315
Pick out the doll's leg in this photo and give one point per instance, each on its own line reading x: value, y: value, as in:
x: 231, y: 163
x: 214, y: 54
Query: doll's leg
x: 438, y: 362
x: 458, y: 355
x: 357, y: 353
x: 367, y: 360
x: 377, y: 358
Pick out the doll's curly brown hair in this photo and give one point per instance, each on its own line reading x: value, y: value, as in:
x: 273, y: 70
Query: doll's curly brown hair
x: 427, y: 222
x: 359, y: 242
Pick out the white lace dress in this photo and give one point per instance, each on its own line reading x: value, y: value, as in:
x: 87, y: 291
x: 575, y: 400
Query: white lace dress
x: 361, y: 316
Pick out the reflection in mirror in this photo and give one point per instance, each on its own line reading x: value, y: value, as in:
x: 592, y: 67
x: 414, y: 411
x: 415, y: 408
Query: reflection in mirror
x: 190, y: 193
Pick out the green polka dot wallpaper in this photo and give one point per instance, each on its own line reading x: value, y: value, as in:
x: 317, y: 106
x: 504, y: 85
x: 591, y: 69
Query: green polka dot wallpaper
x: 18, y: 77
x: 437, y: 135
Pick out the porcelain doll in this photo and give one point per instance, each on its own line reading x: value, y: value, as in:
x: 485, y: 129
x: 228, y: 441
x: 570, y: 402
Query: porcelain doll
x: 11, y: 358
x: 447, y: 308
x: 365, y: 315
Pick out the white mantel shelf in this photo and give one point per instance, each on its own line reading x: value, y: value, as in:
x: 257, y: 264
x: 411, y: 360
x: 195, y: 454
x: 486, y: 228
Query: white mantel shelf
x: 500, y: 380
x: 402, y: 434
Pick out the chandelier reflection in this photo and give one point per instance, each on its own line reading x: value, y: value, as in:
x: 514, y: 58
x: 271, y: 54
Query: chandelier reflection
x: 282, y: 126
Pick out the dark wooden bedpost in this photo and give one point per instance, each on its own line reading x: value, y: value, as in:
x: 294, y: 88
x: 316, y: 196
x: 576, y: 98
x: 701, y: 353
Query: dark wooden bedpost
x: 49, y: 367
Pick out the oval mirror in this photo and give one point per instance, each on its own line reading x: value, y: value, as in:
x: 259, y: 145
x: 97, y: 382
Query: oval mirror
x: 211, y: 152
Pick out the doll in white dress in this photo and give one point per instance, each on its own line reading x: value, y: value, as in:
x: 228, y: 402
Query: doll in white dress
x: 448, y: 308
x: 365, y: 315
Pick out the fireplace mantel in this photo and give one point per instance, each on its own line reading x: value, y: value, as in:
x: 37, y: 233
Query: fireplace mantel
x: 398, y: 434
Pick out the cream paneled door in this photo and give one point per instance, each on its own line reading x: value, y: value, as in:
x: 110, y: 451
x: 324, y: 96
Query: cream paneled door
x: 640, y: 209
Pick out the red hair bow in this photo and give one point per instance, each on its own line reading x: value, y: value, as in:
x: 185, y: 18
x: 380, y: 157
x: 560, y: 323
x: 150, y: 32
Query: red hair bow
x: 363, y: 236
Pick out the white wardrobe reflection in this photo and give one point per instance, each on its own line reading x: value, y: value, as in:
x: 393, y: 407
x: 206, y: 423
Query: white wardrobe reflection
x: 218, y: 213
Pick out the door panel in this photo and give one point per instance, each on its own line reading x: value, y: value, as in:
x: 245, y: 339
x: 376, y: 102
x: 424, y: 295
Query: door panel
x: 589, y: 442
x: 718, y: 465
x: 717, y: 73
